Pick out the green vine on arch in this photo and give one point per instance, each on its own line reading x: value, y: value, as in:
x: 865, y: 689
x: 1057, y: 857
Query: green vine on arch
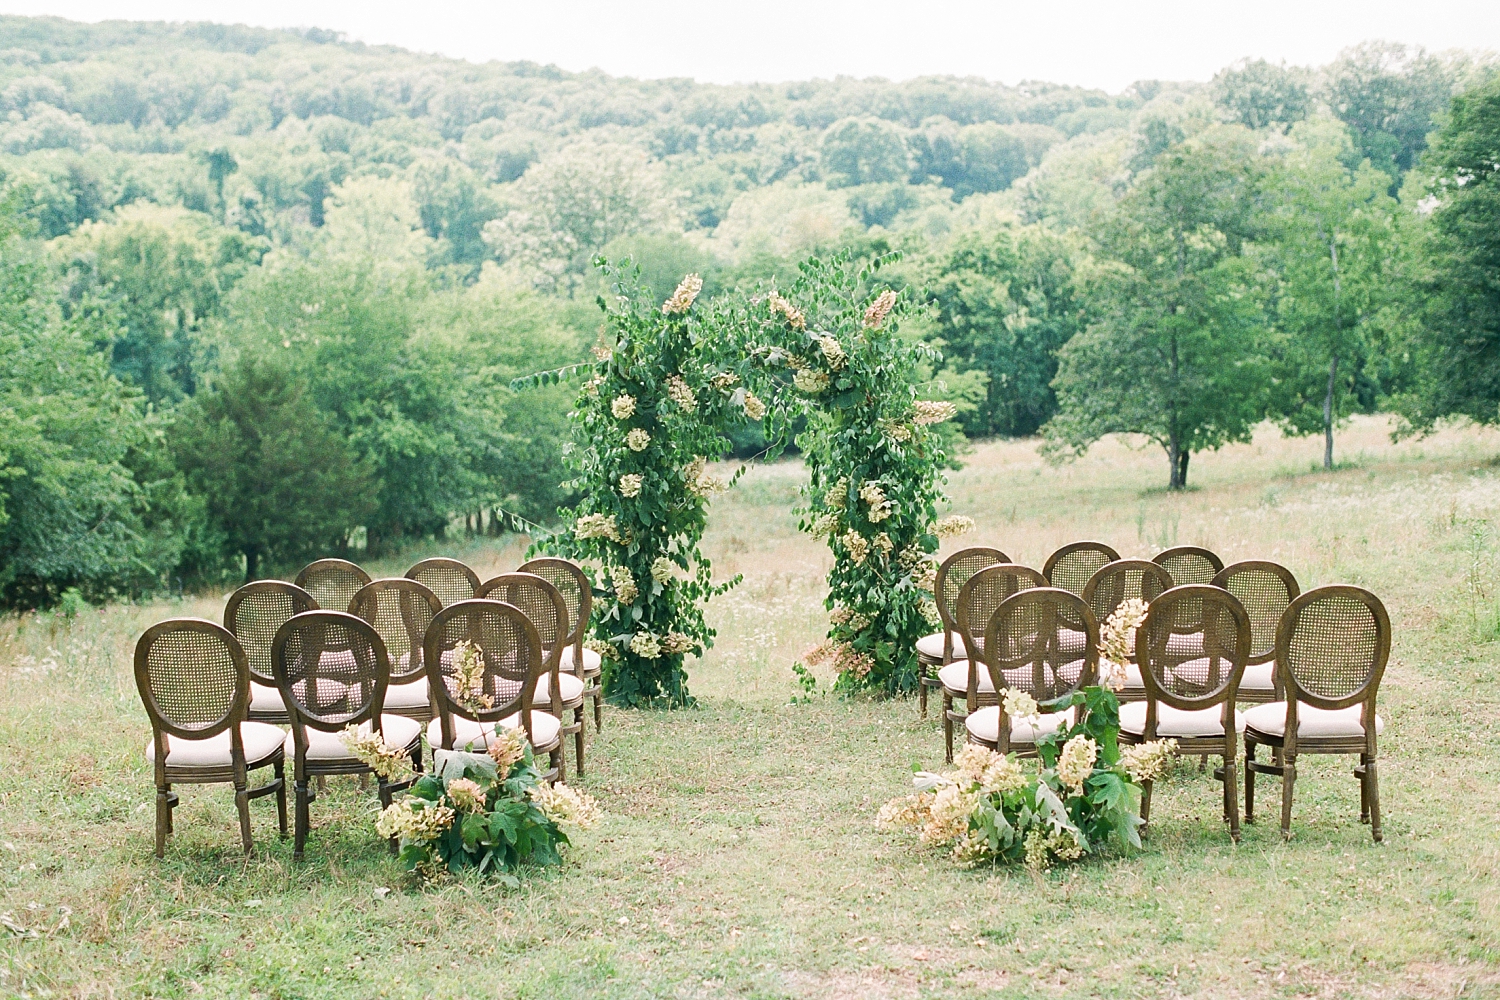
x: 668, y: 384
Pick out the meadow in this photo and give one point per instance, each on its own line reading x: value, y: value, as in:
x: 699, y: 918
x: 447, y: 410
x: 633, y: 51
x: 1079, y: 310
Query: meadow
x: 738, y: 858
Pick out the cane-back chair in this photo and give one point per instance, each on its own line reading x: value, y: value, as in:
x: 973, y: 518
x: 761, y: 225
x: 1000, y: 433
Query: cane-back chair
x: 1331, y: 650
x: 1070, y: 567
x: 513, y: 663
x: 401, y: 610
x: 451, y: 580
x: 332, y: 582
x: 194, y: 680
x: 556, y: 691
x: 1192, y: 700
x: 965, y: 679
x: 333, y: 671
x: 1026, y: 649
x: 1189, y: 564
x: 1266, y: 589
x: 1120, y: 581
x: 578, y: 594
x: 253, y: 615
x: 941, y: 648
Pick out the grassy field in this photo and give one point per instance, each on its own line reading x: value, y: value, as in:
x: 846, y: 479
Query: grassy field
x: 738, y: 857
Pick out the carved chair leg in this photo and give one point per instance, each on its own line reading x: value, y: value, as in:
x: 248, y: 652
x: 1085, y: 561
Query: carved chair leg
x: 163, y: 820
x: 578, y: 714
x: 242, y: 805
x: 598, y: 709
x: 299, y: 838
x: 171, y: 810
x: 1372, y: 780
x: 1232, y: 799
x: 1364, y: 788
x: 1288, y: 782
x: 281, y: 799
x: 948, y: 723
x: 921, y: 689
x: 1146, y: 787
x: 1250, y: 747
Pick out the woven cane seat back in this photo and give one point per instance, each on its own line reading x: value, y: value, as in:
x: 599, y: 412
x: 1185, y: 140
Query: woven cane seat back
x: 985, y: 591
x: 451, y: 580
x: 256, y: 611
x: 332, y: 582
x: 541, y: 602
x: 956, y: 571
x: 1204, y: 676
x: 1332, y: 645
x: 192, y: 676
x: 332, y: 668
x: 1189, y: 564
x: 400, y: 610
x: 573, y: 584
x: 511, y: 650
x: 1027, y: 645
x: 1266, y: 589
x: 1070, y: 567
x: 1123, y: 580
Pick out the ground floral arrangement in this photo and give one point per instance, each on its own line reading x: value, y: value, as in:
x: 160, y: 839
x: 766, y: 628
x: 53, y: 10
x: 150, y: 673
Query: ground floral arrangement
x: 491, y: 811
x: 1081, y: 796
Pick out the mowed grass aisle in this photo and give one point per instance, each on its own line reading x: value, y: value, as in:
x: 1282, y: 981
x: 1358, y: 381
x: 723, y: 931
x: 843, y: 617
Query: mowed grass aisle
x: 738, y: 857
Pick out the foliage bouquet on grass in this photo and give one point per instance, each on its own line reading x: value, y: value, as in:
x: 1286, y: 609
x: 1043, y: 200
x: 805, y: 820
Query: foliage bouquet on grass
x: 487, y: 811
x: 828, y: 348
x: 1083, y: 796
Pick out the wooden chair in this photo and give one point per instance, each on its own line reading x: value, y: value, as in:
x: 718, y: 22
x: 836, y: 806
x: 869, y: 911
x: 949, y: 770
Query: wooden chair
x: 253, y: 615
x: 1189, y: 564
x: 401, y: 610
x: 333, y: 671
x: 1192, y: 701
x: 332, y: 582
x: 1266, y: 589
x: 1024, y: 650
x: 513, y: 664
x: 1070, y: 567
x: 1331, y: 650
x: 451, y: 580
x: 556, y: 692
x: 941, y: 648
x: 1111, y: 586
x: 194, y: 679
x: 578, y: 594
x: 977, y: 599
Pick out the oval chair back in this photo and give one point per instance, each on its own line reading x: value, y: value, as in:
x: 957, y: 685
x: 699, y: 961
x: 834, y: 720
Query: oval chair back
x: 1266, y: 590
x: 543, y: 604
x: 400, y: 610
x: 985, y: 591
x: 451, y: 580
x: 1122, y: 580
x: 955, y: 571
x: 1070, y: 567
x: 577, y: 594
x: 253, y: 615
x: 1189, y: 564
x: 333, y: 670
x: 332, y: 582
x: 1029, y: 646
x: 194, y: 680
x: 1212, y: 677
x: 510, y: 661
x: 1331, y: 650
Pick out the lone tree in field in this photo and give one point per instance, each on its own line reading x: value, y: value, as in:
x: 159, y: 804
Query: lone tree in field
x: 1173, y: 352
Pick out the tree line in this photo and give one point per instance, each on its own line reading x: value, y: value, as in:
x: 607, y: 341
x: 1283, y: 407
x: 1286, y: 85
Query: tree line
x: 263, y: 293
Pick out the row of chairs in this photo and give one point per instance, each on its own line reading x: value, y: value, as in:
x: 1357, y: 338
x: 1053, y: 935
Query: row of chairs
x: 1243, y: 634
x: 218, y: 695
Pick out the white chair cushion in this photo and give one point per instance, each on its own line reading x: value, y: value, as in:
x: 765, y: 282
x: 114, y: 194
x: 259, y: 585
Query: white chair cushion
x: 955, y: 678
x: 1258, y: 677
x: 264, y: 698
x: 1312, y: 723
x: 1185, y: 644
x: 931, y: 646
x: 413, y: 694
x: 544, y: 730
x: 592, y: 664
x: 1069, y: 641
x: 260, y: 740
x: 397, y: 731
x: 985, y: 725
x: 1172, y: 722
x: 569, y: 686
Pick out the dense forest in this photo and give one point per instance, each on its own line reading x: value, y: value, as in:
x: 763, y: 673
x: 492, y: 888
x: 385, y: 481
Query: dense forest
x: 262, y: 293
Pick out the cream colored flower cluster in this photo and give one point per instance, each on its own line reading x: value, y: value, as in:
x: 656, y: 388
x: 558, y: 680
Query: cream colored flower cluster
x: 566, y: 806
x: 637, y: 439
x: 391, y: 763
x: 681, y: 393
x: 833, y: 352
x: 1117, y: 641
x: 896, y: 431
x: 809, y: 381
x: 606, y: 650
x: 468, y: 676
x: 837, y: 495
x: 407, y: 821
x: 596, y: 526
x: 992, y: 772
x: 645, y: 645
x: 879, y: 309
x: 824, y: 524
x: 1041, y: 847
x: 701, y: 482
x: 951, y: 808
x: 724, y: 381
x: 677, y: 642
x: 682, y: 299
x: 844, y: 658
x: 1076, y: 762
x: 784, y: 308
x: 623, y: 407
x: 1021, y: 706
x: 853, y: 619
x: 661, y: 569
x: 857, y: 545
x: 932, y: 412
x: 630, y: 485
x: 909, y: 810
x: 626, y: 590
x: 953, y: 525
x: 507, y: 748
x: 873, y: 494
x: 1148, y: 761
x: 755, y: 408
x: 467, y: 795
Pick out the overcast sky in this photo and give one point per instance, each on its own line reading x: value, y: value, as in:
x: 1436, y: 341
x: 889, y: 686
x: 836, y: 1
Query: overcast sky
x: 1088, y: 42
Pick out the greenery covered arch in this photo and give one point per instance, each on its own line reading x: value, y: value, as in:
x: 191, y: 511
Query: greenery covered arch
x: 666, y: 388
